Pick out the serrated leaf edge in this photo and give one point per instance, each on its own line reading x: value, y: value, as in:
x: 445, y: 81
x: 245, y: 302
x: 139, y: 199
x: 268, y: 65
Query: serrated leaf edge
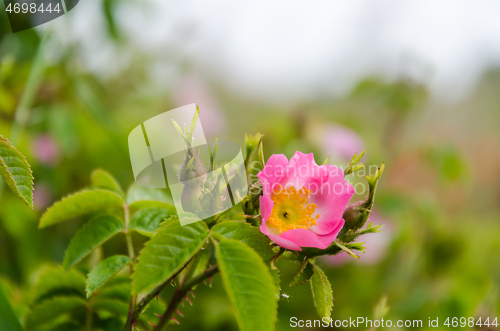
x: 102, y: 242
x: 221, y: 268
x: 161, y: 227
x: 68, y: 197
x: 108, y: 278
x: 299, y: 272
x: 23, y: 160
x: 323, y: 277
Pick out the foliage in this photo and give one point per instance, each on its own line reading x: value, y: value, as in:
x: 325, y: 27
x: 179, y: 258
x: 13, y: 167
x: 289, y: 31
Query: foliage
x: 168, y: 251
x: 249, y: 285
x: 173, y: 254
x: 438, y: 199
x: 322, y: 293
x: 8, y: 319
x: 104, y: 271
x: 16, y: 171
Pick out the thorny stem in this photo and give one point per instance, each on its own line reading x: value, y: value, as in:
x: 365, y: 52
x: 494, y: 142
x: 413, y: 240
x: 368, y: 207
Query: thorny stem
x: 139, y: 308
x: 181, y: 292
x: 147, y: 299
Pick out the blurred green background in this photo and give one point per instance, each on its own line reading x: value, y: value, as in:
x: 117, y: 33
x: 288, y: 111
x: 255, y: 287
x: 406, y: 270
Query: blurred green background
x: 439, y: 196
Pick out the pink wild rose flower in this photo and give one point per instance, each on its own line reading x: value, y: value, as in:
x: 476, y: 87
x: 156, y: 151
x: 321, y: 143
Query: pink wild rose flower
x: 302, y: 203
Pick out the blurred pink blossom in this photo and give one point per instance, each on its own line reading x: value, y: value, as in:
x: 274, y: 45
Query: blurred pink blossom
x: 340, y: 142
x: 376, y: 245
x: 45, y: 150
x: 191, y: 89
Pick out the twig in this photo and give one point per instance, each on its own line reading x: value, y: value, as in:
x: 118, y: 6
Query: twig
x: 181, y: 292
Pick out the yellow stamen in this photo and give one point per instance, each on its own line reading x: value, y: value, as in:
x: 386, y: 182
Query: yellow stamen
x: 292, y: 209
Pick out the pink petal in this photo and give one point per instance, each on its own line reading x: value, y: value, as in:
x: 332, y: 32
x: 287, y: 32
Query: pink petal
x: 331, y: 201
x: 307, y: 238
x: 266, y: 206
x: 302, y: 171
x: 285, y: 243
x: 272, y: 173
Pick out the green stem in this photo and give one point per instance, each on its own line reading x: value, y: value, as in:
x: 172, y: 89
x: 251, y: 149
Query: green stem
x: 153, y: 294
x: 88, y: 320
x: 282, y: 250
x: 128, y: 235
x: 131, y: 254
x: 181, y: 292
x: 139, y: 308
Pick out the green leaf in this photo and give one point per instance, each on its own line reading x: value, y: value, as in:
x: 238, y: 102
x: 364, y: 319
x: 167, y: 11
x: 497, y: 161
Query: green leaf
x: 322, y: 293
x: 194, y: 121
x: 16, y: 171
x: 356, y: 246
x: 303, y: 274
x: 346, y: 249
x: 353, y: 165
x: 261, y: 154
x: 50, y: 310
x: 91, y: 235
x: 249, y: 285
x: 8, y: 320
x: 247, y: 234
x: 79, y: 204
x: 166, y: 253
x: 252, y: 143
x: 137, y: 193
x: 140, y: 197
x: 335, y: 248
x: 55, y: 282
x: 213, y: 151
x: 147, y: 220
x: 187, y: 217
x: 178, y: 128
x: 102, y: 179
x: 104, y: 271
x: 138, y: 205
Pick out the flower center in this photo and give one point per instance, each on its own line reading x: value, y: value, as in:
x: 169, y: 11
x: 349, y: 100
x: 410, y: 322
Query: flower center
x: 292, y: 210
